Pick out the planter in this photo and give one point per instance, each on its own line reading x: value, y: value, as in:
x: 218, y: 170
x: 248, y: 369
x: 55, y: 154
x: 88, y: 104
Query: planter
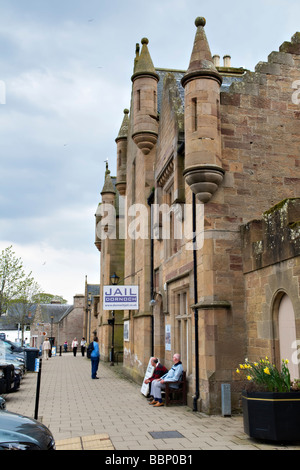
x: 272, y: 416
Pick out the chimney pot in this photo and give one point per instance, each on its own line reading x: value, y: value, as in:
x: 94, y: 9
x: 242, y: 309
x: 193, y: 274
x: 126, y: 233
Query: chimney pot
x: 227, y: 61
x: 216, y: 60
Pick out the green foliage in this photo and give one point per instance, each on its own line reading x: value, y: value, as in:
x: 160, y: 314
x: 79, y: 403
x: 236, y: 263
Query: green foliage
x: 44, y: 298
x: 14, y: 283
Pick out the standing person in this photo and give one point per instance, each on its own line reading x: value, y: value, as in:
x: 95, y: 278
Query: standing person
x: 158, y: 372
x: 95, y: 357
x: 66, y: 346
x: 74, y: 346
x: 46, y: 348
x: 174, y: 374
x: 83, y: 346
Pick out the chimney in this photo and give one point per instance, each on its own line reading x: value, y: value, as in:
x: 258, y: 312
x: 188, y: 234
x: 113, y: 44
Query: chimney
x: 227, y: 61
x: 216, y: 60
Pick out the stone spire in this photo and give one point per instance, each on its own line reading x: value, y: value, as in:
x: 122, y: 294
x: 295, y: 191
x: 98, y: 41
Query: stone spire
x: 201, y: 62
x: 108, y: 184
x: 123, y: 132
x: 143, y: 62
x: 121, y: 142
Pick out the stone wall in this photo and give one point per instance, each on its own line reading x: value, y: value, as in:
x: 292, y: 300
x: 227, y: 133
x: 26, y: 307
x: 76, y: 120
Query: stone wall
x: 271, y: 250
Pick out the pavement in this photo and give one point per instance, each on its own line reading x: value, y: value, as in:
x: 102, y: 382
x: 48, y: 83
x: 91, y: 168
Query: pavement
x: 111, y: 414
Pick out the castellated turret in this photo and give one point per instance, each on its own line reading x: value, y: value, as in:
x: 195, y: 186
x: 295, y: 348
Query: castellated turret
x: 145, y: 120
x: 203, y: 170
x: 121, y: 142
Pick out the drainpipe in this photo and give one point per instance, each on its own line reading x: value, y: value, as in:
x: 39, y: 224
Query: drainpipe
x: 196, y: 396
x: 180, y: 151
x: 150, y: 201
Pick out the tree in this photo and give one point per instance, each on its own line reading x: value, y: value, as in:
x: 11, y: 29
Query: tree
x: 22, y: 309
x: 14, y: 283
x: 44, y: 298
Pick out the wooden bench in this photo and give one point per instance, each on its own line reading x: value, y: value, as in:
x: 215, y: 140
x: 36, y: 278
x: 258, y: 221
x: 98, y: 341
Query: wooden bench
x: 176, y: 396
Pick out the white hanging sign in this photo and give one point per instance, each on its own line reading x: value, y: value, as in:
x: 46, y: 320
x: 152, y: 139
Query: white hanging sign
x: 120, y: 297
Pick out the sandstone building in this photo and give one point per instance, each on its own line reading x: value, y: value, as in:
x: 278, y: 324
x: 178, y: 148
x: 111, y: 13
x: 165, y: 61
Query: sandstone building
x: 218, y: 148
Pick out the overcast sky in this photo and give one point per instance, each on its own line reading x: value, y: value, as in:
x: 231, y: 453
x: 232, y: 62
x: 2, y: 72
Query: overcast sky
x: 65, y: 74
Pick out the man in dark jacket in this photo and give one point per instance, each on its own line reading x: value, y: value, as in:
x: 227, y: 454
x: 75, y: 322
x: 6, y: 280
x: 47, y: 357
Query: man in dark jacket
x: 158, y: 372
x: 173, y: 376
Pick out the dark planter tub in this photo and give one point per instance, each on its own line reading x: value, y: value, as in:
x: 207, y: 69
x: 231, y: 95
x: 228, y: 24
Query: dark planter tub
x: 272, y: 416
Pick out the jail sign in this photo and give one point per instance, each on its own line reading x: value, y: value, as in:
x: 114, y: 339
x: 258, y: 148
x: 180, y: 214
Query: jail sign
x: 120, y: 297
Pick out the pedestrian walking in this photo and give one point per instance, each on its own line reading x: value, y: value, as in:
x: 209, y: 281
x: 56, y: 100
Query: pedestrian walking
x: 46, y: 348
x: 83, y: 346
x: 74, y: 346
x: 95, y: 357
x: 66, y: 346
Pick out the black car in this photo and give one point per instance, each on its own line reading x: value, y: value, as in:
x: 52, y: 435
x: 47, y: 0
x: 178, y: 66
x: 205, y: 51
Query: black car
x: 18, y: 432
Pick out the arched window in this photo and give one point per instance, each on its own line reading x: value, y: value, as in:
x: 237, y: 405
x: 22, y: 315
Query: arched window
x: 287, y: 335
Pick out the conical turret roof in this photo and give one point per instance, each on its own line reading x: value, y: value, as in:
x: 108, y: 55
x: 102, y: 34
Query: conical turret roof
x: 143, y: 64
x: 123, y: 132
x: 201, y: 63
x: 108, y: 186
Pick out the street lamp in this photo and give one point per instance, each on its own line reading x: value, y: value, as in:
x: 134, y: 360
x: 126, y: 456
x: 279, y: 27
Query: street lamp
x: 51, y: 339
x: 52, y: 318
x: 114, y: 279
x: 89, y: 308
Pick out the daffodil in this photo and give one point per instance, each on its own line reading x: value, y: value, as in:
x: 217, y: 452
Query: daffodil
x: 266, y: 375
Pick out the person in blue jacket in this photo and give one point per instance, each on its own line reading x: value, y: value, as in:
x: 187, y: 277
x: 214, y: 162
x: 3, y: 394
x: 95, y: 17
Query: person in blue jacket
x: 95, y: 357
x: 174, y: 374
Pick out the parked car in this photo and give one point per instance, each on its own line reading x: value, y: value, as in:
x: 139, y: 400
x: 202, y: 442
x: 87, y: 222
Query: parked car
x: 9, y: 379
x: 19, y: 366
x: 7, y: 348
x: 14, y: 346
x: 19, y: 432
x: 7, y: 356
x: 2, y: 404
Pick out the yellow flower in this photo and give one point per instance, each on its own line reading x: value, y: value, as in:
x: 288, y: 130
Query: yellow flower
x: 256, y: 364
x: 249, y: 377
x: 238, y: 371
x: 241, y: 366
x: 266, y: 370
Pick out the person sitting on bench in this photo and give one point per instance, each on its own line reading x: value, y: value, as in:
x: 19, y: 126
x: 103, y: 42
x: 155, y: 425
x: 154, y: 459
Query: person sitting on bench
x: 158, y: 372
x: 174, y: 375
